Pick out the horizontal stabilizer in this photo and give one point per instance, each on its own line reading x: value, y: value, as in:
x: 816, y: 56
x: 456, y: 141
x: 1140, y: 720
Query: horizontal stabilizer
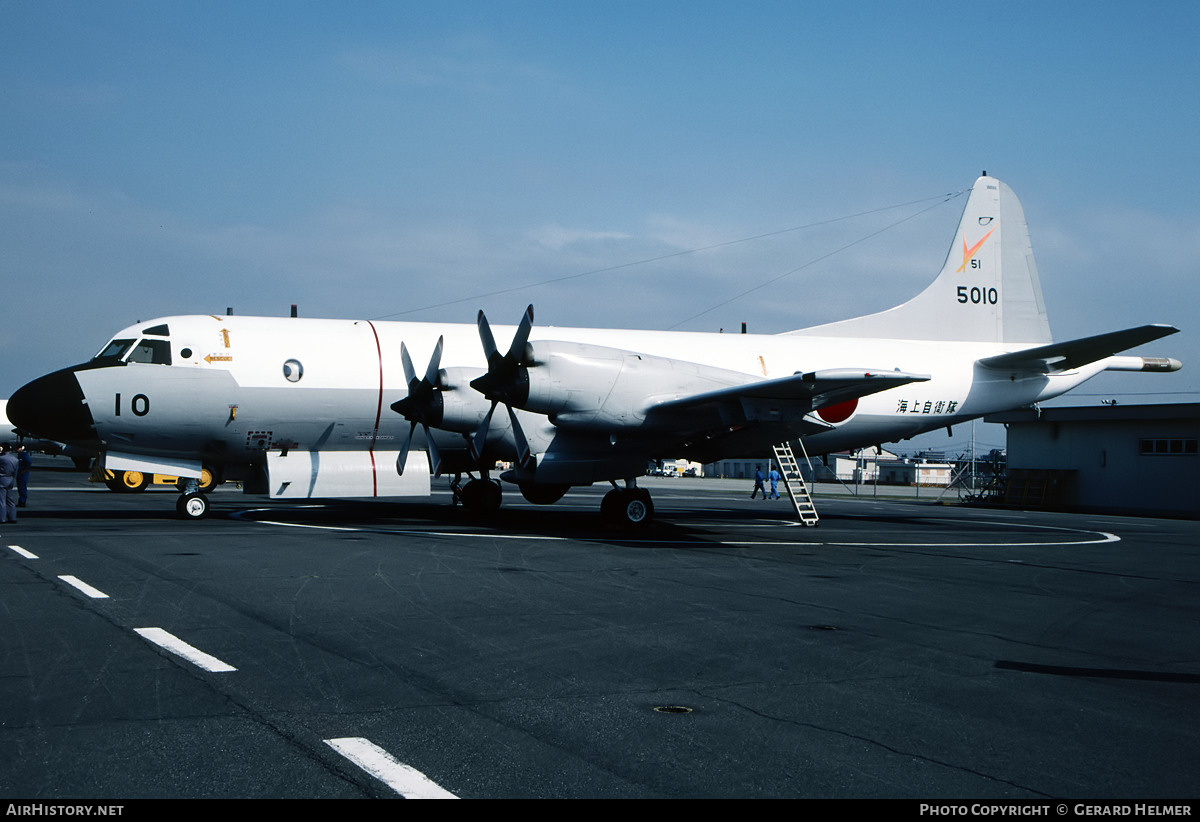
x: 1065, y: 356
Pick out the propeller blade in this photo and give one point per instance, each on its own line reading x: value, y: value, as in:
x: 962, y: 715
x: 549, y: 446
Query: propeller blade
x: 402, y: 457
x: 519, y: 435
x: 410, y: 374
x: 435, y: 459
x: 516, y: 351
x: 485, y: 337
x: 480, y: 438
x: 435, y: 363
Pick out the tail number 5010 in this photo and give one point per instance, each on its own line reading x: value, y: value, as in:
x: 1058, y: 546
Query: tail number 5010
x: 978, y: 296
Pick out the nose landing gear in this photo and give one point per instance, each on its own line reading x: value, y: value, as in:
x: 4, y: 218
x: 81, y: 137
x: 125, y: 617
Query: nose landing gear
x: 191, y: 504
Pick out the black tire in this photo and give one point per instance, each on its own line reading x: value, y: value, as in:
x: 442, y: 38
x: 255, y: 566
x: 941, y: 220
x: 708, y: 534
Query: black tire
x: 628, y: 507
x: 481, y: 496
x: 611, y: 504
x: 192, y: 506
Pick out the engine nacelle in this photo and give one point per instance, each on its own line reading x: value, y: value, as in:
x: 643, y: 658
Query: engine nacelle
x: 591, y: 387
x: 461, y: 407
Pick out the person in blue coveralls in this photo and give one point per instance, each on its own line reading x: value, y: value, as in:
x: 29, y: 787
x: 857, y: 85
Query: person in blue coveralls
x: 758, y: 482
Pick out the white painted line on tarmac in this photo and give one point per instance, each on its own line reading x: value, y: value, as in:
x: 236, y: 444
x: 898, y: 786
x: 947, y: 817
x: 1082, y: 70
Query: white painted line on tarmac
x: 75, y: 582
x: 23, y: 552
x: 177, y: 646
x: 412, y: 532
x: 1089, y: 537
x: 403, y: 779
x: 1102, y: 538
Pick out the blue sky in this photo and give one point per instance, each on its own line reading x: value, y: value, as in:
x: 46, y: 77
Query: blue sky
x: 404, y: 159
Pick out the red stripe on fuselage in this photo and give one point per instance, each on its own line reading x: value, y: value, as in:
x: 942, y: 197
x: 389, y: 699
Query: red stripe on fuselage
x: 378, y: 410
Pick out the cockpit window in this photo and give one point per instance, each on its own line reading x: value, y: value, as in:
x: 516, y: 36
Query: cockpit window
x: 157, y: 331
x: 115, y: 350
x: 157, y: 352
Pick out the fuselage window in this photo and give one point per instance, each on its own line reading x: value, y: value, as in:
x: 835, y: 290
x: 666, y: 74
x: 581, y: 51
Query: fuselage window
x: 157, y: 352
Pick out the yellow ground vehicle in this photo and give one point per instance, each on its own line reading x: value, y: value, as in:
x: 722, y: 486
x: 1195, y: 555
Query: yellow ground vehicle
x: 131, y: 481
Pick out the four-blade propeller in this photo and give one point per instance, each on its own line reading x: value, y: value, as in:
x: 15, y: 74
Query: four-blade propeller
x: 423, y: 405
x: 506, y: 381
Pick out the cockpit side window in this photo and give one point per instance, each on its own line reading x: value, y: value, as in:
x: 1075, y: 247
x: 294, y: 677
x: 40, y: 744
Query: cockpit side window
x: 115, y: 350
x: 157, y: 352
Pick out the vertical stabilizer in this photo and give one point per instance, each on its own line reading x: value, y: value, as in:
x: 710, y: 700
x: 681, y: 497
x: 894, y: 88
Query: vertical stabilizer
x: 987, y: 291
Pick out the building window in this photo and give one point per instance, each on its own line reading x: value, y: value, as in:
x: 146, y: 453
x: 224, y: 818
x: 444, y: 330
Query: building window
x: 1168, y: 447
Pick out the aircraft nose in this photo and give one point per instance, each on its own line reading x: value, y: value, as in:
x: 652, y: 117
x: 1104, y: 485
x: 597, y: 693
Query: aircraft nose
x: 53, y: 407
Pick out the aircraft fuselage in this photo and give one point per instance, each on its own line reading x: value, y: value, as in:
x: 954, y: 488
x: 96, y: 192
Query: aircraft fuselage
x: 227, y: 389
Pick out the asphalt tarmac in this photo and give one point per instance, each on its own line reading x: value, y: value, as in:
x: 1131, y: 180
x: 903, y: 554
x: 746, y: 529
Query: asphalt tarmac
x: 339, y: 650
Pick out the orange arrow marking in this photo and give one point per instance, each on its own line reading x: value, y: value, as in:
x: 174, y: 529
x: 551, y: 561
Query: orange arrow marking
x: 968, y: 253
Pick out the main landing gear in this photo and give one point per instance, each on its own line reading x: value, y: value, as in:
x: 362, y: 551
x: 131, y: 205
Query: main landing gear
x: 479, y: 496
x: 629, y: 506
x: 622, y: 507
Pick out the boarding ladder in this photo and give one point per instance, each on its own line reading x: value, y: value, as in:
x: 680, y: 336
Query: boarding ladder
x: 793, y: 480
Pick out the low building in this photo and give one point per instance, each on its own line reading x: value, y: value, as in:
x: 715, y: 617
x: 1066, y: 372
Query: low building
x: 913, y: 472
x: 738, y: 468
x: 863, y: 465
x: 1114, y: 458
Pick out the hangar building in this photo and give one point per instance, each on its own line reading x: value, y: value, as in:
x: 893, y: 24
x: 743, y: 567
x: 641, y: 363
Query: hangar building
x: 1122, y: 459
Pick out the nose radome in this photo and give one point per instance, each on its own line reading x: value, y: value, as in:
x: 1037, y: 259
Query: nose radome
x: 53, y: 407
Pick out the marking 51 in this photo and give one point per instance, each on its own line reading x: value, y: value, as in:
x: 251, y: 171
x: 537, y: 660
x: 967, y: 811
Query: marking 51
x: 139, y: 405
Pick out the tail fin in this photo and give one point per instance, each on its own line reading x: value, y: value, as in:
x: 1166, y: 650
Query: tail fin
x: 988, y: 289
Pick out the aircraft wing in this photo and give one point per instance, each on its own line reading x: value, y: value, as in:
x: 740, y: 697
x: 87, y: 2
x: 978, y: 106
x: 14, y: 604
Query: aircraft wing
x: 784, y: 398
x: 1065, y: 356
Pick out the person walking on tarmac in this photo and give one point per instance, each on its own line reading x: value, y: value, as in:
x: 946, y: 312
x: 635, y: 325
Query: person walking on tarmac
x: 758, y: 482
x: 774, y: 477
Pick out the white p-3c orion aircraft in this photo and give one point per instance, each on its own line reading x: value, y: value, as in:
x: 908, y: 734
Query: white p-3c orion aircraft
x: 309, y: 408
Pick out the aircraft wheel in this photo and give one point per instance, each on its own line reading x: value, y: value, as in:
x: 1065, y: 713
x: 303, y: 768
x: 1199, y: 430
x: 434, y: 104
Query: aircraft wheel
x: 127, y: 481
x: 208, y: 480
x: 627, y: 507
x: 481, y: 496
x: 638, y: 509
x: 192, y: 506
x: 611, y: 504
